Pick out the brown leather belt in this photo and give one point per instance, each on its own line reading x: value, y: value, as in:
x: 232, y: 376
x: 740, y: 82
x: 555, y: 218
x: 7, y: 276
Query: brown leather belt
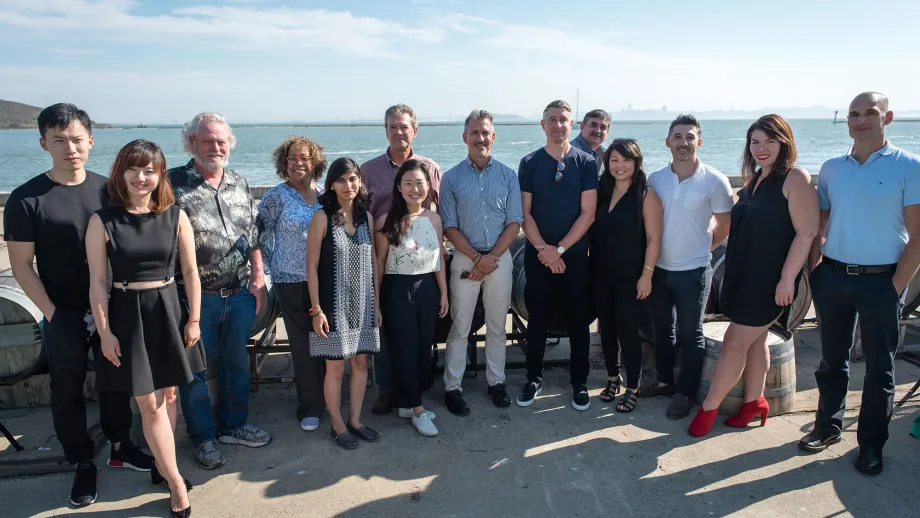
x: 855, y: 269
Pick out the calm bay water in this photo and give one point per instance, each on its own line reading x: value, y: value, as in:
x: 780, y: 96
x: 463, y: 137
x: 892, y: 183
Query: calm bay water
x: 723, y: 142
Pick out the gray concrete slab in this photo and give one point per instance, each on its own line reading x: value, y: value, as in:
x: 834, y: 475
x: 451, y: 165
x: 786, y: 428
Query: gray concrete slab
x: 545, y: 460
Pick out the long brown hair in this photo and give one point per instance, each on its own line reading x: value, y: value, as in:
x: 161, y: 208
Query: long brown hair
x: 778, y: 129
x: 140, y: 153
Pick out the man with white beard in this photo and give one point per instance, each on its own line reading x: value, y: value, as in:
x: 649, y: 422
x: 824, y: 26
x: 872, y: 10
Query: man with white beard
x: 223, y: 215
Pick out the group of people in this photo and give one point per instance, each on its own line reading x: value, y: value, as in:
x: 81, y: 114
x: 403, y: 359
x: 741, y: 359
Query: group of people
x: 361, y: 268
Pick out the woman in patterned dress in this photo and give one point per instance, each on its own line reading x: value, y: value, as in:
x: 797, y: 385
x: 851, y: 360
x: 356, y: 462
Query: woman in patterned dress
x: 341, y: 269
x: 285, y: 213
x: 413, y: 289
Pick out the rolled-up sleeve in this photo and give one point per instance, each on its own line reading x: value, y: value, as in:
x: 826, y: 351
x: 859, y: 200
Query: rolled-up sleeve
x: 515, y: 212
x: 448, y: 202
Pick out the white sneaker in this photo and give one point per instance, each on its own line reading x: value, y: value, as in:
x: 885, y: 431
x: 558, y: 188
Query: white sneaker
x: 408, y: 412
x: 309, y: 424
x: 423, y: 424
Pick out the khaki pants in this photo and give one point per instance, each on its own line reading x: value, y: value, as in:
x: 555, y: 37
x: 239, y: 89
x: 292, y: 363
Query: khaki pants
x: 496, y: 299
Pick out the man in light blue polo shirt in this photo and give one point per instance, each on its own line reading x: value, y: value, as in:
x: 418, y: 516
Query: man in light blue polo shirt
x: 481, y: 211
x: 870, y: 221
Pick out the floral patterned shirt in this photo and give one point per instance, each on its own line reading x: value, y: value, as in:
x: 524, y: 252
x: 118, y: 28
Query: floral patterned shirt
x: 224, y: 221
x: 284, y: 218
x: 419, y: 250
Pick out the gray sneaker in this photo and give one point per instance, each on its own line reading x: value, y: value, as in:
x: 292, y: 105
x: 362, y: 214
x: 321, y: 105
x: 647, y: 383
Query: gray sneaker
x: 208, y: 456
x: 247, y: 435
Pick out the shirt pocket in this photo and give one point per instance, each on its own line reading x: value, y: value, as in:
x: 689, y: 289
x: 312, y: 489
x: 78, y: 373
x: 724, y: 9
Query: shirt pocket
x: 694, y: 200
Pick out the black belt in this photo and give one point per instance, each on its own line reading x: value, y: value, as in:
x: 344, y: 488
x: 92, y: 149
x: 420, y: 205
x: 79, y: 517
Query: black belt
x: 223, y: 292
x: 855, y: 269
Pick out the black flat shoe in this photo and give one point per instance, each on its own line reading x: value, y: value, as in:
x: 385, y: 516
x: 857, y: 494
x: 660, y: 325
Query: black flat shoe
x: 156, y: 478
x: 869, y: 461
x: 499, y: 395
x: 815, y: 442
x: 365, y: 432
x: 345, y: 439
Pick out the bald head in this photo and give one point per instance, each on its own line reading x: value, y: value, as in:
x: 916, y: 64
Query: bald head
x: 873, y: 98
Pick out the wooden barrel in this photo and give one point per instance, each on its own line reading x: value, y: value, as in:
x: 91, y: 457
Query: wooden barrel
x: 558, y: 322
x: 780, y: 387
x: 21, y: 353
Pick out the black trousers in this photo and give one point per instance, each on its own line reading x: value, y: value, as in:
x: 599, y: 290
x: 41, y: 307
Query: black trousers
x: 618, y: 313
x: 67, y: 343
x: 838, y: 298
x: 545, y: 290
x: 409, y: 304
x: 294, y: 299
x: 680, y: 297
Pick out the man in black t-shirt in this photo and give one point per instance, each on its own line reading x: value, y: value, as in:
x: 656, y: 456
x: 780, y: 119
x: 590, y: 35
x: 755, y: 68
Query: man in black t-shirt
x: 559, y: 197
x: 45, y: 219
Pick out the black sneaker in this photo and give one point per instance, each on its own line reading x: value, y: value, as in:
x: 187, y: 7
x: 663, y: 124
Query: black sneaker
x: 455, y: 403
x: 83, y: 491
x: 499, y: 395
x: 530, y: 391
x: 580, y: 399
x: 129, y: 456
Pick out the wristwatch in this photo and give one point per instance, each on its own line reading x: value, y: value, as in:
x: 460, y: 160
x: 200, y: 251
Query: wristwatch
x: 560, y: 249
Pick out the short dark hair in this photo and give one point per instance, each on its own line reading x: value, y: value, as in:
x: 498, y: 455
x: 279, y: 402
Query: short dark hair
x: 596, y: 114
x: 687, y: 119
x: 62, y: 115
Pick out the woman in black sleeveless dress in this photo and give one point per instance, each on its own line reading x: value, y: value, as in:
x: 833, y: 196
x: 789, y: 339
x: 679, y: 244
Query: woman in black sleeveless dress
x: 772, y: 229
x: 137, y: 312
x: 624, y: 241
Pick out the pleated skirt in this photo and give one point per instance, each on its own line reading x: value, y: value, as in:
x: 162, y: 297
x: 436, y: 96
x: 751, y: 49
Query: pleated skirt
x: 149, y: 325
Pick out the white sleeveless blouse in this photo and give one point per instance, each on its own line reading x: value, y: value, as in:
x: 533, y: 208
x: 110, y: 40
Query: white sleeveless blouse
x: 418, y: 252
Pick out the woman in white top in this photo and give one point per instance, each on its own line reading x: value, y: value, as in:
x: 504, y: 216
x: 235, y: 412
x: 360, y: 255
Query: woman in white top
x: 409, y: 247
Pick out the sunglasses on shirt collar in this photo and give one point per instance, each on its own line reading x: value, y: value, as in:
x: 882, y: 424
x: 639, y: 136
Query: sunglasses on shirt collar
x: 560, y: 166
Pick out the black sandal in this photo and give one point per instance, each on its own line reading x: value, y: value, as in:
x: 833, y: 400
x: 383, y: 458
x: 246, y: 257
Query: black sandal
x: 610, y: 391
x: 345, y: 439
x: 627, y: 402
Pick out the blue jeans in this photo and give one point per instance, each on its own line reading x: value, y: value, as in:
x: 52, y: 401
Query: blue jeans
x: 226, y: 323
x: 678, y: 298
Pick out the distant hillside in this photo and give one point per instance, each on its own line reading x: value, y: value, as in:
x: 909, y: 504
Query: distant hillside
x: 18, y: 115
x: 15, y: 115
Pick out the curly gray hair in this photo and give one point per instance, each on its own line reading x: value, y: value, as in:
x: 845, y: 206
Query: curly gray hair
x: 190, y: 130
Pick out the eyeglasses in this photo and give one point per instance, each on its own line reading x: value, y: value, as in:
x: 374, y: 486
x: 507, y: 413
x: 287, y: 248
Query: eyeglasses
x: 560, y: 166
x: 294, y: 159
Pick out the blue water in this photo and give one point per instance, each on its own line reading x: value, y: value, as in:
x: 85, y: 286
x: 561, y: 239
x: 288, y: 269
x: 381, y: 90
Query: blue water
x: 723, y: 142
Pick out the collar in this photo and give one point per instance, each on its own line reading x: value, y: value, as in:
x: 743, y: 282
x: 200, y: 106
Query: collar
x: 193, y: 173
x: 469, y: 162
x: 390, y: 160
x: 583, y: 144
x: 696, y: 172
x: 886, y: 150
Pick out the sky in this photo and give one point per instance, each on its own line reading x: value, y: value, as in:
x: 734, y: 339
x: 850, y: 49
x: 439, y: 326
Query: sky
x: 163, y: 61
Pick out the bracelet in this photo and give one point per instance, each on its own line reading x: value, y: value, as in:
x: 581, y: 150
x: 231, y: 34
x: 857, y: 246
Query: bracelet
x: 193, y: 321
x: 316, y: 311
x: 476, y: 258
x: 649, y: 268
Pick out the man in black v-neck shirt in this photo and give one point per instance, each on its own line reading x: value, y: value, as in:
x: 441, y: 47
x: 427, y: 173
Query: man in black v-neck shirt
x: 45, y: 219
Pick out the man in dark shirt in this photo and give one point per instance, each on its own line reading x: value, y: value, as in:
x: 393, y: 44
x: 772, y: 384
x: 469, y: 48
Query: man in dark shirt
x: 594, y: 129
x: 223, y: 215
x: 559, y: 195
x: 45, y: 219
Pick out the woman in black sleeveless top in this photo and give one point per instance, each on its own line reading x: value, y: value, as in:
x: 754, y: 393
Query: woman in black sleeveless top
x: 138, y: 313
x: 624, y: 241
x: 772, y: 229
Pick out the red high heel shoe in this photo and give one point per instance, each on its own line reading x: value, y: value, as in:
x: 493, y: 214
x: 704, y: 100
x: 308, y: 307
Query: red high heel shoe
x: 748, y: 412
x: 702, y: 422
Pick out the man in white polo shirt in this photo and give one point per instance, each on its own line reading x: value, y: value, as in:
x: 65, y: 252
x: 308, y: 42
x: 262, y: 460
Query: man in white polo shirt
x: 869, y: 228
x: 692, y: 194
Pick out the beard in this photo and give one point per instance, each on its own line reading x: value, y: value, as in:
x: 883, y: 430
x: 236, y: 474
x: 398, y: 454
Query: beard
x: 212, y: 163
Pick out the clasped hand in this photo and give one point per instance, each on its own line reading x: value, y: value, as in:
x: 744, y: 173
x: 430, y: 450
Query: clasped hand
x: 550, y: 258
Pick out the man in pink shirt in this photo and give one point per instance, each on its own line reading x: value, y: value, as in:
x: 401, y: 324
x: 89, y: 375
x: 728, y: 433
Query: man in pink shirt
x: 379, y: 175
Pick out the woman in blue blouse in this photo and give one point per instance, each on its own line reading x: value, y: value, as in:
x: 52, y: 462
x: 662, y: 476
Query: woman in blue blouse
x: 284, y: 214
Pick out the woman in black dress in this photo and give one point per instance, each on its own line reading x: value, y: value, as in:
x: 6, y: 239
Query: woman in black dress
x: 625, y: 240
x: 138, y: 314
x: 772, y: 228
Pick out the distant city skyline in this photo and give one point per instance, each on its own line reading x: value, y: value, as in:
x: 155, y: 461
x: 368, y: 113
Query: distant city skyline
x: 274, y: 61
